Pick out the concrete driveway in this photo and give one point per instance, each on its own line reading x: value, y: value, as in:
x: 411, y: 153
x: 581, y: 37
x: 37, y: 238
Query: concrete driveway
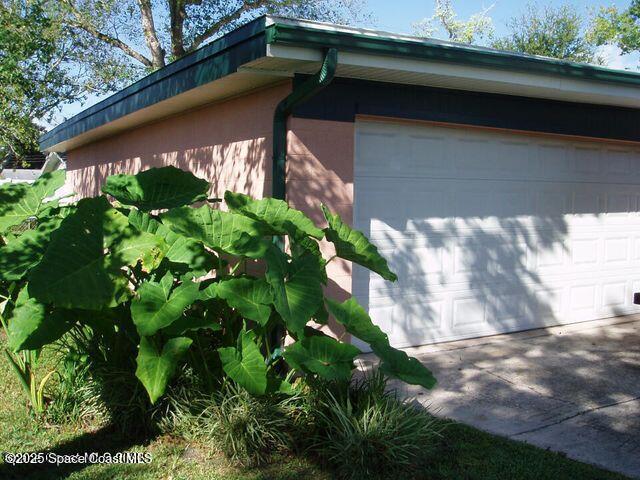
x: 573, y: 389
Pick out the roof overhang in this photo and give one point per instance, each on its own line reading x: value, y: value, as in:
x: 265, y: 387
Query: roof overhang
x: 268, y: 49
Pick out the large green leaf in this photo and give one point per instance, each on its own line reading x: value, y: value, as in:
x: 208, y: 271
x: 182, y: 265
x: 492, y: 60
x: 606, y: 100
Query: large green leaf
x: 25, y: 251
x: 357, y: 322
x: 393, y: 362
x: 79, y: 267
x: 32, y: 325
x: 181, y: 249
x: 296, y: 286
x: 72, y: 272
x: 305, y: 246
x: 326, y: 356
x: 156, y: 366
x: 157, y: 188
x: 225, y: 232
x: 188, y: 323
x: 133, y: 246
x: 156, y: 306
x: 397, y: 363
x: 245, y: 365
x: 276, y: 215
x: 251, y: 297
x: 354, y: 246
x: 20, y: 201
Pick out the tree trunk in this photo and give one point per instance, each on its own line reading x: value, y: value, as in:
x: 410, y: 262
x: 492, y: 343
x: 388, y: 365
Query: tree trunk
x: 177, y: 14
x: 150, y: 34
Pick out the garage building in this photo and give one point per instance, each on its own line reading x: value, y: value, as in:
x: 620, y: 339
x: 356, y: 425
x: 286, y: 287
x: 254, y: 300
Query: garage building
x: 504, y: 189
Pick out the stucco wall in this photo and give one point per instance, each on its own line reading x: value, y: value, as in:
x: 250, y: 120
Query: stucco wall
x: 228, y: 143
x: 320, y: 170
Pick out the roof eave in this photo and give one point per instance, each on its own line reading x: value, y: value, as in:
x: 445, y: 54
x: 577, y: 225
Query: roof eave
x: 238, y: 54
x: 216, y: 60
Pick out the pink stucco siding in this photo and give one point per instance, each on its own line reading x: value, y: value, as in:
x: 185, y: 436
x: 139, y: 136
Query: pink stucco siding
x: 320, y: 170
x: 230, y: 144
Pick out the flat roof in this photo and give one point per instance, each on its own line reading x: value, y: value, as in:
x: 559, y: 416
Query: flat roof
x: 246, y: 57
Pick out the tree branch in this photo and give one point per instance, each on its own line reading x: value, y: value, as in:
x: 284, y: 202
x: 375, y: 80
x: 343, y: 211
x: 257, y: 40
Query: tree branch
x: 80, y: 23
x: 225, y: 20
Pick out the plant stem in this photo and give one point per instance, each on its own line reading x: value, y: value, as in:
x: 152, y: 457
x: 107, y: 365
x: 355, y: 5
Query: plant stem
x: 267, y: 344
x: 132, y: 279
x: 204, y: 364
x: 237, y: 266
x: 4, y: 325
x: 19, y: 372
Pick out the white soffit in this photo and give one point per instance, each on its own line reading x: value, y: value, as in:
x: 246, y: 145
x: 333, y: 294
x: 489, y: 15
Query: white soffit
x: 382, y: 68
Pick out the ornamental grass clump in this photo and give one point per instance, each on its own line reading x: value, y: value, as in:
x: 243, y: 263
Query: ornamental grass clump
x: 249, y: 429
x: 156, y: 287
x: 365, y: 432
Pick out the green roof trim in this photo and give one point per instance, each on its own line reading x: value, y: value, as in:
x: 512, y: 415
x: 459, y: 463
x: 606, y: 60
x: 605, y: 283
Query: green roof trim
x: 211, y: 62
x: 442, y: 51
x: 249, y: 42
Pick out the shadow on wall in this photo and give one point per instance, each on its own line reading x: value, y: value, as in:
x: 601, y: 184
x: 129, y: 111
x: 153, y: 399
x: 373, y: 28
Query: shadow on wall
x: 239, y: 166
x: 481, y: 274
x: 228, y: 143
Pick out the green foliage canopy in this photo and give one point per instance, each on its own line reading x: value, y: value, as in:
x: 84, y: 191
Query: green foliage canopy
x: 189, y: 286
x: 33, y: 79
x: 622, y: 28
x: 557, y: 32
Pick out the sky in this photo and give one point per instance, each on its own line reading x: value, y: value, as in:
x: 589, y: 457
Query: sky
x: 398, y: 16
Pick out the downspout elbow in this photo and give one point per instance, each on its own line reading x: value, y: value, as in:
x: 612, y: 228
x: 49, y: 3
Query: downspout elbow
x: 299, y: 95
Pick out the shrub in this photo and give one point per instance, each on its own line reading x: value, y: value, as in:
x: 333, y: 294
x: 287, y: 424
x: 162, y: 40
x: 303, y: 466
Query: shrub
x: 150, y: 285
x: 246, y: 428
x: 364, y: 432
x: 76, y: 397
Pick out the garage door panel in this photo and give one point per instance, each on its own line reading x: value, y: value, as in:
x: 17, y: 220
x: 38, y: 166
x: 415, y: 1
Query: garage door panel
x: 620, y: 204
x: 616, y: 250
x: 588, y: 203
x: 615, y: 294
x: 587, y: 162
x: 493, y: 232
x: 436, y: 164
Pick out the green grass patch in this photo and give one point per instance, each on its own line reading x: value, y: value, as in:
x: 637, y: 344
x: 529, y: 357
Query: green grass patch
x: 463, y: 453
x: 470, y: 454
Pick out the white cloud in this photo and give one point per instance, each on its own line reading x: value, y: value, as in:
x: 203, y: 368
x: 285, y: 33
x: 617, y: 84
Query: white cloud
x: 615, y: 59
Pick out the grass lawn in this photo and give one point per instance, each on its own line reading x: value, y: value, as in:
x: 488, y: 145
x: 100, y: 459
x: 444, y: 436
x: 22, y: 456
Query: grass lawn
x: 465, y: 453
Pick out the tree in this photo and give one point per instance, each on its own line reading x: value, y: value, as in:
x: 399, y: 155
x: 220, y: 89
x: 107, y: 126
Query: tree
x: 122, y: 39
x: 33, y: 80
x: 478, y: 27
x: 56, y: 51
x: 611, y: 26
x: 550, y: 32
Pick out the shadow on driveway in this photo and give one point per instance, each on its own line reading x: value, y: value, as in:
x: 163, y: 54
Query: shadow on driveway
x: 573, y: 389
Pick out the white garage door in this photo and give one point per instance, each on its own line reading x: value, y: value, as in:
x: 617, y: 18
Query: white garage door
x: 492, y: 232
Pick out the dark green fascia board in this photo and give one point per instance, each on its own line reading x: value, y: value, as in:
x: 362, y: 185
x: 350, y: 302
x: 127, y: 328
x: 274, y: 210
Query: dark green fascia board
x: 280, y: 33
x: 211, y: 62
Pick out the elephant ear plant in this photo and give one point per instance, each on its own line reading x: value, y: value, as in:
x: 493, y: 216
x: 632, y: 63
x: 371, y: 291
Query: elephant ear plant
x: 202, y: 286
x: 27, y: 219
